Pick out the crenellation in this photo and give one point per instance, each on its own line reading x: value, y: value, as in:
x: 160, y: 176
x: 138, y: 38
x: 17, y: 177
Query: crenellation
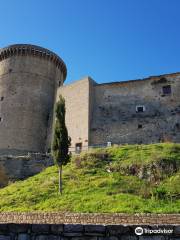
x: 26, y: 49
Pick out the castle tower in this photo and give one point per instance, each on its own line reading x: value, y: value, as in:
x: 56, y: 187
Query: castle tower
x: 29, y: 78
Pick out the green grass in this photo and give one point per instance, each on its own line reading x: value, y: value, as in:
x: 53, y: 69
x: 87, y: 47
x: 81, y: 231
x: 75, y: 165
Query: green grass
x: 128, y: 179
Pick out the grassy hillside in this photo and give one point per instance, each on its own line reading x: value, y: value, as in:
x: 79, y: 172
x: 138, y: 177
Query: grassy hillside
x: 132, y: 178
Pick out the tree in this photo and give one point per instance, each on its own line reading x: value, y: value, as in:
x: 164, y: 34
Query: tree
x: 61, y: 141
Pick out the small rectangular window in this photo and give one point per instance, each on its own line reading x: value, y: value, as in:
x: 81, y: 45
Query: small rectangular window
x: 78, y: 147
x: 140, y: 108
x: 166, y: 89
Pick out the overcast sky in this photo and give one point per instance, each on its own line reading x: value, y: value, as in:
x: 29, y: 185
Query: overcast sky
x: 109, y: 40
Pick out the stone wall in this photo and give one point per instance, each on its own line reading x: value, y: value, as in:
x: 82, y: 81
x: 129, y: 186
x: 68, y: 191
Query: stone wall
x: 42, y: 226
x: 14, y: 167
x: 78, y: 96
x: 81, y: 232
x: 29, y: 78
x: 116, y: 120
x: 101, y: 113
x: 87, y: 218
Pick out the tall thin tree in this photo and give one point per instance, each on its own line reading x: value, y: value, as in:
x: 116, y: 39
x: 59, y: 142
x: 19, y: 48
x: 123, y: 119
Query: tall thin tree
x: 61, y: 141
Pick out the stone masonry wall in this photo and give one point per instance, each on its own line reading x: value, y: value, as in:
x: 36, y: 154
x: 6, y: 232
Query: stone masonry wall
x: 29, y: 78
x: 101, y: 113
x: 42, y: 226
x: 78, y: 98
x: 14, y: 167
x: 81, y: 232
x: 116, y: 120
x: 89, y: 218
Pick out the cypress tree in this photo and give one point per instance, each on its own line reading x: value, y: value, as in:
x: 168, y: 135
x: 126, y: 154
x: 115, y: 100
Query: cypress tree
x: 61, y: 141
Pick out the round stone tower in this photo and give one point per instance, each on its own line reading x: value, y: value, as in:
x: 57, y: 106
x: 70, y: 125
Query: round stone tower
x: 29, y: 78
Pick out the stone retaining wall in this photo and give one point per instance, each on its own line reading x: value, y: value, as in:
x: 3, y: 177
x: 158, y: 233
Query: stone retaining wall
x: 86, y: 218
x: 69, y: 226
x: 18, y: 167
x: 81, y: 232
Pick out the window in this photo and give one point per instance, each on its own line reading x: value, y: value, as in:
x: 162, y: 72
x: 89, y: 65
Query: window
x: 139, y: 125
x: 166, y: 89
x: 140, y: 108
x: 2, y: 98
x: 78, y: 147
x: 1, y: 119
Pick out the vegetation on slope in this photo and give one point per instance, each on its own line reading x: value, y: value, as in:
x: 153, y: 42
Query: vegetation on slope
x: 131, y: 178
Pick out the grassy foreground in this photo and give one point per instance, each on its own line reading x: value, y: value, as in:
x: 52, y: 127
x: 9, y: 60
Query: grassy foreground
x: 129, y: 179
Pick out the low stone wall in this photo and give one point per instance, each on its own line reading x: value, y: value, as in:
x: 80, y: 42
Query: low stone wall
x: 18, y: 167
x: 83, y: 232
x: 86, y: 218
x: 69, y: 226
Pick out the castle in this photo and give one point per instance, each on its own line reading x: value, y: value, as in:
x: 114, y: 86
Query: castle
x: 130, y: 112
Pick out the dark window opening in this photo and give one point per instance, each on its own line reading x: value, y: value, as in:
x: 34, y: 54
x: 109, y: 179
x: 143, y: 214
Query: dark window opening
x: 2, y: 98
x: 48, y: 117
x: 0, y: 119
x: 139, y: 125
x: 59, y: 83
x: 166, y: 89
x: 140, y: 108
x: 78, y: 147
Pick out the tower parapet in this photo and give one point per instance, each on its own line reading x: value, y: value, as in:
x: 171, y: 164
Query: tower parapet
x: 27, y: 49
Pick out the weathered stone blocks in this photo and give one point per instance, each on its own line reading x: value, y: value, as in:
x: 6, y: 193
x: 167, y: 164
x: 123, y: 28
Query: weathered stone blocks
x: 29, y: 79
x: 109, y: 111
x: 15, y: 167
x: 80, y: 232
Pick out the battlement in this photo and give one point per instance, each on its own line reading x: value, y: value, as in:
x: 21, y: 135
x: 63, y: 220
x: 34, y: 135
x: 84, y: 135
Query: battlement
x: 27, y: 49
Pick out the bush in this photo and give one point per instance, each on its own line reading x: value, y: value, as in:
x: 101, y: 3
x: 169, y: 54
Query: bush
x: 160, y: 193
